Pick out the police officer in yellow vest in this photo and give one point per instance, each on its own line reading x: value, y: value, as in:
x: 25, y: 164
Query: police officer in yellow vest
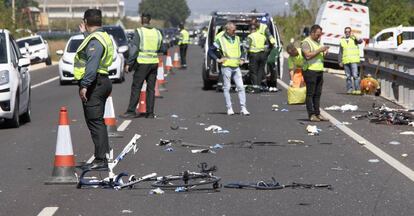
x: 93, y: 57
x: 183, y: 42
x: 230, y: 52
x: 264, y: 30
x: 144, y: 61
x: 349, y: 59
x: 314, y: 53
x: 257, y: 57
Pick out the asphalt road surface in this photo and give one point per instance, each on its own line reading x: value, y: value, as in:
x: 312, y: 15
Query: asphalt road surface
x: 360, y: 187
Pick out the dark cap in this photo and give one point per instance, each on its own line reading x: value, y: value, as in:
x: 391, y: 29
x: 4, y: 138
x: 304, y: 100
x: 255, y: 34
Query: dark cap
x: 146, y: 15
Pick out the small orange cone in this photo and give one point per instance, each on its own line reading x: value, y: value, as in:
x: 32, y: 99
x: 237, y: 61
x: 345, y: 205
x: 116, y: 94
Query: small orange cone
x: 168, y: 62
x: 110, y: 120
x: 176, y: 62
x: 142, y: 104
x: 64, y: 166
x: 157, y: 90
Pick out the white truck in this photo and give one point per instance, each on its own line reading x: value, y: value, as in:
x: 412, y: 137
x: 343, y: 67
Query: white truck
x: 334, y: 16
x: 399, y: 38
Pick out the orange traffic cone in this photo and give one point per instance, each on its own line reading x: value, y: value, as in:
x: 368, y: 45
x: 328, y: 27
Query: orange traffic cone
x: 160, y: 76
x: 110, y: 120
x: 142, y: 104
x: 176, y: 62
x: 64, y: 166
x: 168, y: 62
x: 157, y: 90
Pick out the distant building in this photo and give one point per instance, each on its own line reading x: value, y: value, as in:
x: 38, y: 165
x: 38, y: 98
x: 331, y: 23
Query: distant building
x: 76, y: 8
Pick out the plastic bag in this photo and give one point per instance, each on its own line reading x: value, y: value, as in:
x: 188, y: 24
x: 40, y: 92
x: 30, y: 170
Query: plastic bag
x: 296, y: 95
x: 297, y: 79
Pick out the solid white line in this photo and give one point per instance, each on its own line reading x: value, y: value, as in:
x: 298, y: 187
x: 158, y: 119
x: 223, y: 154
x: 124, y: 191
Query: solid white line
x: 48, y: 211
x: 409, y: 173
x: 124, y: 125
x: 45, y: 82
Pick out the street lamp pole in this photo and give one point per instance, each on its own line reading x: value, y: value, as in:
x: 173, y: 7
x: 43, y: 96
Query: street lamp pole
x: 14, y: 12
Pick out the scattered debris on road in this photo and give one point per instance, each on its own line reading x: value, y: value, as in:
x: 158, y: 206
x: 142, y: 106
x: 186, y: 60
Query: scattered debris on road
x: 295, y: 142
x: 206, y: 150
x: 126, y: 211
x: 386, y: 115
x: 373, y: 160
x: 404, y: 155
x: 313, y: 130
x: 407, y: 133
x: 216, y: 129
x: 394, y: 143
x: 156, y: 191
x: 343, y: 108
x: 169, y: 149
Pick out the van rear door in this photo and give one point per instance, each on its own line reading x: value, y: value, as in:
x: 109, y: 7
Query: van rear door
x: 333, y: 17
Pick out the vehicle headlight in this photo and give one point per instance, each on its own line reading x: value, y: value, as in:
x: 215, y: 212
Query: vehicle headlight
x: 66, y: 62
x: 4, y: 77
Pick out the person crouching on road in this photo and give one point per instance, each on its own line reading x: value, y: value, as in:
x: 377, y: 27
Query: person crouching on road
x: 314, y: 54
x: 183, y: 44
x: 92, y: 59
x: 144, y: 62
x: 296, y: 63
x: 230, y: 51
x: 349, y: 59
x: 257, y: 57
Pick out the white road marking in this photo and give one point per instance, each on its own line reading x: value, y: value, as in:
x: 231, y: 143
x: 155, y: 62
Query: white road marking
x: 90, y: 159
x: 45, y: 82
x: 124, y: 125
x: 48, y: 211
x: 409, y: 173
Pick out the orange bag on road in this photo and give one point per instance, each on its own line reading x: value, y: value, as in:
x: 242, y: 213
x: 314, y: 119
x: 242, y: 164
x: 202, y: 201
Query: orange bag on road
x: 297, y: 79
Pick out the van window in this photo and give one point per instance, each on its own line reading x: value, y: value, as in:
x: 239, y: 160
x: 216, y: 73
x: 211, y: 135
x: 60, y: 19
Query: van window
x: 408, y: 35
x: 387, y: 36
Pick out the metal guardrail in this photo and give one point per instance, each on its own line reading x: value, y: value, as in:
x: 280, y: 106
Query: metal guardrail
x: 395, y: 72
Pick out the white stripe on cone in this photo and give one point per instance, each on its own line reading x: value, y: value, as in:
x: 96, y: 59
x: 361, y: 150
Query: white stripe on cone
x: 168, y: 62
x: 109, y: 108
x: 64, y: 141
x: 160, y: 73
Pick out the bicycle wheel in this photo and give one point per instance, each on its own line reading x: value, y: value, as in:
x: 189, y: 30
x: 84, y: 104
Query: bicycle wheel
x: 187, y: 180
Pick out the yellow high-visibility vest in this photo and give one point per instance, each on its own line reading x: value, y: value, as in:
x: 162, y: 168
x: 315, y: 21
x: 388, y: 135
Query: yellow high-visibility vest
x: 106, y: 59
x: 258, y: 42
x: 185, y: 37
x: 231, y: 51
x: 350, y: 51
x: 150, y: 43
x: 316, y: 63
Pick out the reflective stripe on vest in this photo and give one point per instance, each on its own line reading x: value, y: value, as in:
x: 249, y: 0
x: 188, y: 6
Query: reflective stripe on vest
x: 185, y: 37
x: 150, y: 43
x: 231, y: 51
x: 258, y: 42
x: 350, y: 51
x: 107, y: 56
x: 316, y: 63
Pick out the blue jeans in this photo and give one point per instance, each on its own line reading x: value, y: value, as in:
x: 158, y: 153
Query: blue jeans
x: 351, y: 71
x: 235, y: 73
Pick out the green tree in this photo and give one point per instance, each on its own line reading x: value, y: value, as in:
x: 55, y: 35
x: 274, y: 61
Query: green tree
x: 389, y: 13
x: 173, y: 12
x: 5, y: 16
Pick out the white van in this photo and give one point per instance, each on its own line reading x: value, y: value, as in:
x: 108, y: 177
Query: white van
x: 334, y: 16
x: 387, y: 39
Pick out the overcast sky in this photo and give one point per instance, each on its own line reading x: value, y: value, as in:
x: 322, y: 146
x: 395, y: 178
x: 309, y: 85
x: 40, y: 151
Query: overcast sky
x: 207, y: 6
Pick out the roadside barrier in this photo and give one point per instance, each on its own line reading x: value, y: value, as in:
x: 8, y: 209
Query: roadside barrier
x: 395, y: 73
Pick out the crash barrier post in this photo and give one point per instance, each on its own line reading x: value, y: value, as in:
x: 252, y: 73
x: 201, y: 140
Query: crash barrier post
x: 395, y: 73
x: 64, y: 165
x: 109, y: 117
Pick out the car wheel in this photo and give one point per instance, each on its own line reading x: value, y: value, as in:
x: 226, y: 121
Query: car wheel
x: 26, y: 117
x: 15, y: 121
x: 48, y: 61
